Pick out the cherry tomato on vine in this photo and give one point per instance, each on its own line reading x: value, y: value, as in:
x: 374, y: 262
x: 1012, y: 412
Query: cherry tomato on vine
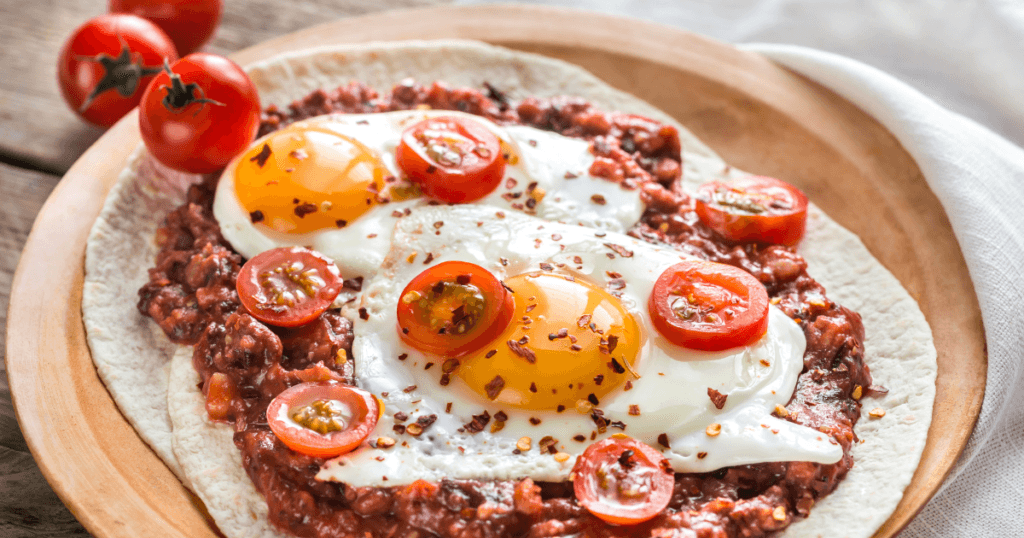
x: 758, y: 208
x: 453, y: 308
x: 288, y: 286
x: 323, y: 419
x: 189, y: 23
x: 709, y: 306
x: 199, y: 113
x: 453, y: 159
x: 623, y: 481
x: 105, y: 66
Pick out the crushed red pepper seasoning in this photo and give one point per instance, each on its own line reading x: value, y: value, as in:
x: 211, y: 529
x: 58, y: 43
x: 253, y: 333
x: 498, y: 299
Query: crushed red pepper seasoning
x: 637, y: 153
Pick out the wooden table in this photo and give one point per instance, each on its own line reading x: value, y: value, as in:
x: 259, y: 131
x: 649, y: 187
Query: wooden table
x: 39, y: 140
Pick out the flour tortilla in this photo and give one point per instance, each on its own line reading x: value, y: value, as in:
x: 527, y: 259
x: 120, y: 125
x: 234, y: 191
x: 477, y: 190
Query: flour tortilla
x: 134, y: 358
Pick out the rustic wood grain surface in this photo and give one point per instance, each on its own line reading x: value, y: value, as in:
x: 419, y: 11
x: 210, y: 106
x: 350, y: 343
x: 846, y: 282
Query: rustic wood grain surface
x: 39, y: 140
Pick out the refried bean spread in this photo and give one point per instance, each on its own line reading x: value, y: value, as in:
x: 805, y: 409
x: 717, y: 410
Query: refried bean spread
x: 191, y: 295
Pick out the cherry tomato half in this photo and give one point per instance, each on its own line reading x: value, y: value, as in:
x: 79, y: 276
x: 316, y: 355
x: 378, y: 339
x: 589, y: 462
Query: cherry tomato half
x: 758, y: 208
x: 107, y: 63
x: 453, y: 159
x: 323, y: 419
x: 288, y: 286
x: 189, y: 23
x: 709, y: 306
x: 623, y: 481
x: 453, y: 308
x: 199, y: 113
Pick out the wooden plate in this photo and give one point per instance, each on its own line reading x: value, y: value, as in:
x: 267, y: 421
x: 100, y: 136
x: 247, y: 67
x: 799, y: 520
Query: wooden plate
x: 757, y: 115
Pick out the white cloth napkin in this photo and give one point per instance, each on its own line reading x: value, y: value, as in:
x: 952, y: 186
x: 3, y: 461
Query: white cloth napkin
x: 968, y: 56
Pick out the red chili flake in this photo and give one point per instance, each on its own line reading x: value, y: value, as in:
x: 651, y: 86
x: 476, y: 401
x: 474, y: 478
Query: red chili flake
x: 616, y: 367
x: 583, y: 321
x: 616, y: 284
x: 428, y: 366
x: 527, y: 320
x: 530, y: 308
x: 545, y: 266
x: 508, y: 196
x: 490, y: 353
x: 663, y: 440
x: 531, y: 203
x: 500, y: 416
x: 593, y: 399
x: 577, y: 260
x: 510, y: 183
x: 429, y: 258
x: 523, y: 352
x: 597, y: 416
x: 620, y: 250
x: 450, y: 365
x: 598, y: 199
x: 628, y: 386
x: 304, y: 209
x: 702, y: 455
x: 438, y: 224
x: 517, y: 206
x: 534, y: 420
x: 500, y: 214
x: 448, y: 407
x: 261, y: 158
x: 533, y: 387
x: 504, y: 261
x: 410, y: 388
x: 341, y: 223
x: 256, y: 216
x: 401, y: 417
x: 531, y: 187
x: 572, y: 338
x: 548, y: 443
x: 403, y: 356
x: 634, y: 410
x: 478, y: 423
x: 445, y: 380
x: 371, y: 236
x: 717, y: 398
x: 598, y: 379
x: 532, y: 143
x: 600, y: 234
x: 431, y: 169
x: 354, y: 284
x: 398, y: 428
x: 494, y: 387
x: 576, y: 347
x: 579, y: 438
x: 560, y: 408
x: 462, y: 280
x: 426, y: 420
x: 618, y: 424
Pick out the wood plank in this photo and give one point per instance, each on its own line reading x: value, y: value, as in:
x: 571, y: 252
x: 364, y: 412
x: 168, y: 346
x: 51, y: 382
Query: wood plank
x: 23, y: 194
x: 36, y: 127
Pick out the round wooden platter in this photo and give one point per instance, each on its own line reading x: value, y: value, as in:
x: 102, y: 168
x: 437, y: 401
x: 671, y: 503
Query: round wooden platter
x: 758, y: 116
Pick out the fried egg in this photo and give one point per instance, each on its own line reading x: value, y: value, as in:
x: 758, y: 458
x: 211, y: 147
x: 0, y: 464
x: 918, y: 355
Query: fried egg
x: 331, y: 183
x: 573, y: 286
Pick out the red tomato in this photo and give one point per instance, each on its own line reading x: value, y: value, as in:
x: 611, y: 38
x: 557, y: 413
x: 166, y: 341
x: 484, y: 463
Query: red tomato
x: 709, y: 306
x: 453, y: 159
x: 453, y: 308
x: 323, y: 419
x: 189, y: 23
x: 199, y: 113
x: 107, y: 63
x: 288, y: 286
x: 623, y: 481
x: 758, y: 208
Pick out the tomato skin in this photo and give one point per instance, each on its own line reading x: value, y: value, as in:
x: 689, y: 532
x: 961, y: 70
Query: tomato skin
x: 782, y: 224
x: 644, y: 462
x: 79, y: 70
x: 364, y: 409
x: 497, y: 313
x: 481, y: 165
x: 189, y: 23
x: 201, y: 136
x: 709, y: 283
x: 258, y: 299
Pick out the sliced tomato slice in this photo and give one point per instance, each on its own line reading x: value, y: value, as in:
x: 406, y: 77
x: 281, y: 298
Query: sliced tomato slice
x: 453, y: 308
x: 288, y: 286
x: 623, y: 481
x: 754, y: 209
x: 709, y: 306
x: 453, y: 159
x: 323, y: 419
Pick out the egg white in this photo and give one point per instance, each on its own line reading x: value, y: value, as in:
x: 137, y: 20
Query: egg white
x: 671, y: 391
x: 554, y: 164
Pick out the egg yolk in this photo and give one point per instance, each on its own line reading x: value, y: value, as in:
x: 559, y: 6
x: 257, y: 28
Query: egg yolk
x: 300, y: 180
x: 570, y: 343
